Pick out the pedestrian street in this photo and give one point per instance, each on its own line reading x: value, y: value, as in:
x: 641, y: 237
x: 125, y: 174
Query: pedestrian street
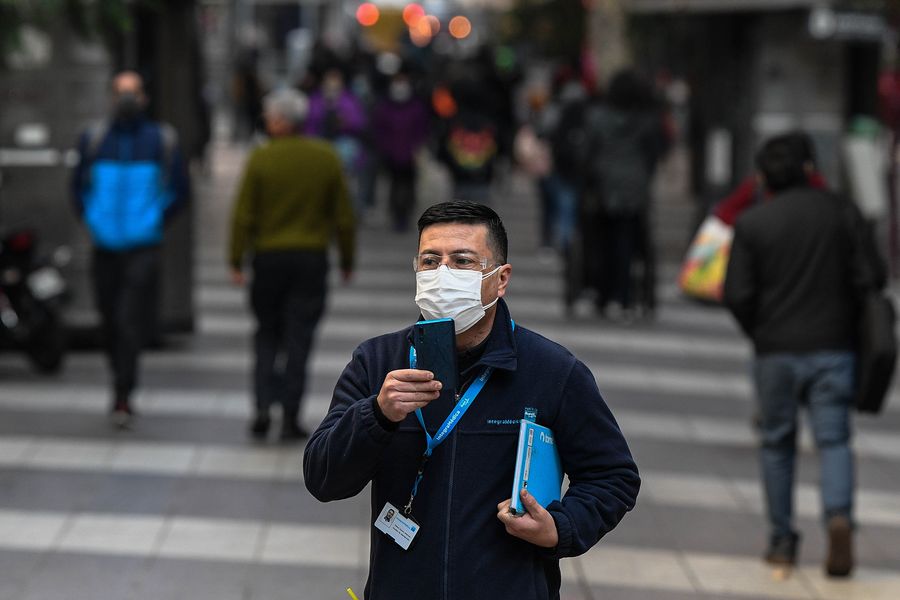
x: 185, y: 506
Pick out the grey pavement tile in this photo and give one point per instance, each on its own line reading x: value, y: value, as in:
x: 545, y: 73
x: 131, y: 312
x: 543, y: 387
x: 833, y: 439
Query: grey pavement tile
x: 84, y: 577
x: 268, y: 582
x: 877, y: 547
x: 145, y: 428
x: 63, y: 491
x: 708, y: 531
x: 45, y: 490
x: 165, y: 579
x: 740, y: 462
x: 167, y: 379
x: 638, y: 593
x: 16, y: 571
x: 211, y: 497
x: 708, y: 459
x: 676, y: 403
x: 126, y: 493
x: 289, y: 502
x: 220, y: 499
x: 690, y: 530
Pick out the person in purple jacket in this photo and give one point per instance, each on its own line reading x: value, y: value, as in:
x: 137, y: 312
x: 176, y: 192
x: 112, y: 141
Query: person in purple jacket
x: 400, y: 127
x: 447, y: 471
x: 338, y: 116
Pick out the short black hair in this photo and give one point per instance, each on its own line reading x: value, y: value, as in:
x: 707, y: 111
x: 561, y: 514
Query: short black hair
x: 781, y: 162
x: 805, y: 145
x: 471, y: 213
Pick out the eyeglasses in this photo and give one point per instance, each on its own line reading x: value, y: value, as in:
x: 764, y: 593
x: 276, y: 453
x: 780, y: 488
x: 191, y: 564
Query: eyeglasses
x: 457, y: 260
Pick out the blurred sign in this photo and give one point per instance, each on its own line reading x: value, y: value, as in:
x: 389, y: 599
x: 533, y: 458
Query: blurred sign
x: 47, y: 157
x: 31, y: 135
x: 718, y: 157
x: 825, y: 23
x: 866, y: 164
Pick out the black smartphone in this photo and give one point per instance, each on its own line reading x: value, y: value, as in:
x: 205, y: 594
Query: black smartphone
x: 435, y: 344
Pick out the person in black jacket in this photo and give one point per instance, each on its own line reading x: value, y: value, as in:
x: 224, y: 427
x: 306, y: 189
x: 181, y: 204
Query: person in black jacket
x: 798, y: 269
x: 467, y: 545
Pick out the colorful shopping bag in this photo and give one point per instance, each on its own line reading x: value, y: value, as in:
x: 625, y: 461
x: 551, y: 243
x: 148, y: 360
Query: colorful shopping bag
x: 702, y: 274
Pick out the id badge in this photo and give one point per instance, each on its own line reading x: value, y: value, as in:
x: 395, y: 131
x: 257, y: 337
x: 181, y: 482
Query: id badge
x: 391, y: 522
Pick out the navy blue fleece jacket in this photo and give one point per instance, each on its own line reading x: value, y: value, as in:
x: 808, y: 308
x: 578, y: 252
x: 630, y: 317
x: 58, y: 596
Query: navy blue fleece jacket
x: 463, y: 551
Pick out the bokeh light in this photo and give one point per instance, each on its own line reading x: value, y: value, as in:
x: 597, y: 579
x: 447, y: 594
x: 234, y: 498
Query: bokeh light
x: 412, y: 13
x: 420, y: 33
x: 367, y: 14
x: 460, y: 27
x: 434, y: 23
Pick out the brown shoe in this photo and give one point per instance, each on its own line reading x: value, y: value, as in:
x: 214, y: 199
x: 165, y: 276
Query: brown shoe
x: 840, y: 547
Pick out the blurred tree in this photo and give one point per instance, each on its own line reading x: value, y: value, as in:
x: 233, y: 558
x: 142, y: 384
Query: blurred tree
x: 104, y: 19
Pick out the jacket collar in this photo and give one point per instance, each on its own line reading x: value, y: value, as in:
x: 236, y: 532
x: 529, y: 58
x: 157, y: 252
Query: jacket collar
x: 500, y: 351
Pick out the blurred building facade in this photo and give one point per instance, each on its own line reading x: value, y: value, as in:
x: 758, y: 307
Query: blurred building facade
x: 756, y: 68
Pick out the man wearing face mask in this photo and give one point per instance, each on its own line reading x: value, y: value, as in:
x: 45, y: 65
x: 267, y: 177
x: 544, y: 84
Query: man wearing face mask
x: 400, y: 128
x: 130, y: 180
x: 466, y: 544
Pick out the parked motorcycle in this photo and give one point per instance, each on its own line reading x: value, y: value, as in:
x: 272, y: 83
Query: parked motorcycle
x: 32, y: 292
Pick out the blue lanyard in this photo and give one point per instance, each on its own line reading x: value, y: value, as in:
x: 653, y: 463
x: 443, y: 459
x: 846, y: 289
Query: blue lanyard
x: 468, y: 398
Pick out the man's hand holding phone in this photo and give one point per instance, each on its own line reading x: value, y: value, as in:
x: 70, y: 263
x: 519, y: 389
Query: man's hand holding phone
x: 405, y: 390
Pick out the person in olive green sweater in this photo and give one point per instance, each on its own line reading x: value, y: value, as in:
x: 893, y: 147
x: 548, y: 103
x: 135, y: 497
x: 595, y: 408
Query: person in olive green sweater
x: 292, y: 201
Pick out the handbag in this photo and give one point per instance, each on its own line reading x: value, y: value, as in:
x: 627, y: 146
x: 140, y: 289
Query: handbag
x: 702, y: 274
x: 877, y: 352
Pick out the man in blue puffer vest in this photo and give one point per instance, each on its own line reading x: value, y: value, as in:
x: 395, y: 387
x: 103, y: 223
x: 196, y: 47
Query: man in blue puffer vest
x: 467, y: 545
x: 130, y: 179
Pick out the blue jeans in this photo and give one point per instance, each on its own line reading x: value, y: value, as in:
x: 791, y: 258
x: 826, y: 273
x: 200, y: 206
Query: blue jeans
x: 823, y: 381
x: 561, y: 210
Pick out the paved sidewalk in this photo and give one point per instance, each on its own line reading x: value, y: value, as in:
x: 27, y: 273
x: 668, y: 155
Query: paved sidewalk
x: 186, y: 507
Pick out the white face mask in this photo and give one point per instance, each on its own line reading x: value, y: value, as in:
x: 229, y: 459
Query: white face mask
x: 445, y: 293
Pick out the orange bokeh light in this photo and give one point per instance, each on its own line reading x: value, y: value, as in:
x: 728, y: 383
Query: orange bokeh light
x: 434, y: 23
x: 412, y: 13
x: 422, y: 28
x: 460, y: 27
x: 367, y: 14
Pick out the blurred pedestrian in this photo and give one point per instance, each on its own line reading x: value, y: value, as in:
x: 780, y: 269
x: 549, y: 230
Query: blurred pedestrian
x: 800, y: 265
x: 246, y: 92
x: 337, y: 115
x: 626, y: 139
x: 751, y: 190
x: 468, y: 143
x: 532, y: 152
x: 130, y: 180
x: 568, y: 139
x: 292, y: 200
x: 465, y: 537
x: 400, y: 123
